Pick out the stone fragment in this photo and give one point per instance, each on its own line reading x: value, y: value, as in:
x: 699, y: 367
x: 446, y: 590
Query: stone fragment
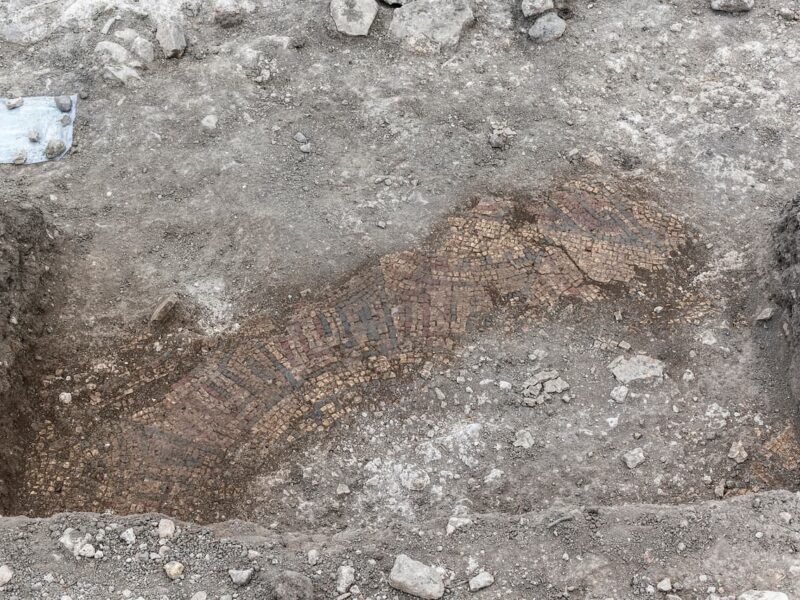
x: 240, y: 576
x: 345, y: 577
x: 342, y: 489
x: 633, y: 458
x: 555, y: 386
x: 737, y: 452
x: 313, y: 556
x: 199, y: 596
x: 480, y: 581
x: 174, y: 569
x: 143, y: 49
x: 33, y: 136
x: 431, y: 25
x: 531, y: 8
x: 20, y: 158
x: 209, y: 122
x: 524, y: 439
x: 166, y: 529
x: 54, y: 148
x: 416, y: 578
x: 171, y: 38
x: 414, y: 479
x: 300, y: 137
x: 762, y: 595
x: 305, y: 148
x: 353, y: 17
x: 13, y: 103
x: 294, y: 586
x: 162, y: 311
x: 128, y: 536
x: 619, y: 393
x: 65, y: 398
x: 665, y: 585
x: 766, y: 314
x: 637, y: 367
x: 63, y: 103
x: 111, y: 52
x: 6, y: 573
x: 547, y: 28
x: 456, y: 523
x: 732, y: 6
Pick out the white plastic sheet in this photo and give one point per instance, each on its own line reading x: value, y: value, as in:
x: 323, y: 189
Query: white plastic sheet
x: 38, y: 118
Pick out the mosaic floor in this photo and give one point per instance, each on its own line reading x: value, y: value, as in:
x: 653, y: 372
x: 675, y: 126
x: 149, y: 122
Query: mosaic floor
x: 225, y: 420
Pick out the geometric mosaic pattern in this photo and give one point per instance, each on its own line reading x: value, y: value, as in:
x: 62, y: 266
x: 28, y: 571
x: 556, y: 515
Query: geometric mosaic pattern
x: 191, y: 452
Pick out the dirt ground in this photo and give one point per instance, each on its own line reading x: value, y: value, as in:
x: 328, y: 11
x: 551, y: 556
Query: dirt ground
x: 695, y: 108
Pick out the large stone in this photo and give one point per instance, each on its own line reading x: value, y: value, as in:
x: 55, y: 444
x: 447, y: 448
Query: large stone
x: 5, y: 575
x: 732, y: 5
x: 532, y: 8
x: 353, y: 17
x: 431, y: 25
x: 416, y: 578
x: 143, y: 49
x: 171, y: 38
x: 547, y: 28
x: 240, y: 576
x: 637, y: 367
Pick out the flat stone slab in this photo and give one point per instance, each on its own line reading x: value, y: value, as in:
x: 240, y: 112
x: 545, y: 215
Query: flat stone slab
x: 431, y: 25
x: 636, y: 367
x: 34, y: 123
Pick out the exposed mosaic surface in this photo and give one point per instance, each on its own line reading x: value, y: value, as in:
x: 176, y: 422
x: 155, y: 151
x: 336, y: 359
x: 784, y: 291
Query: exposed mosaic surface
x: 224, y: 421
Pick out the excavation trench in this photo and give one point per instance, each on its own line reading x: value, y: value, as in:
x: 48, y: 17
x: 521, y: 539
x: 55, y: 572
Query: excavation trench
x: 193, y: 450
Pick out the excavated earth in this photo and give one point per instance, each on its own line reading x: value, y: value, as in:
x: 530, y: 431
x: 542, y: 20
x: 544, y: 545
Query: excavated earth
x: 318, y: 301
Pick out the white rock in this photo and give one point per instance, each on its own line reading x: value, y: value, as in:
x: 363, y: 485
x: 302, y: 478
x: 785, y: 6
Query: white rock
x: 353, y: 17
x: 480, y: 581
x: 416, y: 578
x: 240, y: 576
x: 128, y: 536
x: 200, y: 596
x: 174, y: 569
x: 209, y: 122
x: 732, y: 5
x: 229, y: 13
x: 541, y: 377
x: 555, y: 386
x: 665, y: 585
x: 342, y: 489
x: 524, y: 439
x: 547, y: 28
x: 345, y: 577
x: 762, y: 595
x: 456, y: 523
x: 6, y: 573
x: 171, y: 38
x: 531, y: 8
x: 65, y: 398
x: 737, y: 452
x: 431, y: 25
x: 619, y: 393
x: 313, y: 556
x: 635, y: 368
x: 166, y: 528
x: 633, y: 458
x: 504, y: 385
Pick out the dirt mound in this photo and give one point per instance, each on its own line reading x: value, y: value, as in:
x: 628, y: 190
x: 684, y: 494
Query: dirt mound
x: 23, y: 246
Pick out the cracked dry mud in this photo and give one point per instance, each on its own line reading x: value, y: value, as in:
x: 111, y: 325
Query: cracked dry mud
x: 221, y: 424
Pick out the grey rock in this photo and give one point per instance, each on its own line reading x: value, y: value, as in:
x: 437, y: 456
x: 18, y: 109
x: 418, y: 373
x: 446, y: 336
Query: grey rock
x: 431, y: 25
x: 300, y: 138
x: 20, y: 158
x: 547, y: 28
x: 345, y: 577
x: 55, y: 148
x: 171, y: 38
x: 128, y: 536
x: 732, y: 5
x: 13, y: 103
x: 305, y: 148
x: 240, y: 576
x: 637, y: 367
x: 766, y: 314
x: 166, y: 527
x: 619, y: 393
x: 737, y: 452
x: 63, y: 103
x: 633, y: 458
x: 33, y: 136
x: 143, y: 49
x: 228, y: 13
x: 665, y: 585
x: 353, y: 17
x: 416, y: 578
x: 480, y: 581
x: 293, y: 586
x: 532, y: 8
x: 209, y: 122
x: 524, y: 439
x: 160, y: 314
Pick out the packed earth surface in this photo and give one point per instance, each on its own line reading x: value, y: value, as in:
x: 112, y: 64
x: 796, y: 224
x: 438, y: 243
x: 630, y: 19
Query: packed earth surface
x: 405, y: 299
